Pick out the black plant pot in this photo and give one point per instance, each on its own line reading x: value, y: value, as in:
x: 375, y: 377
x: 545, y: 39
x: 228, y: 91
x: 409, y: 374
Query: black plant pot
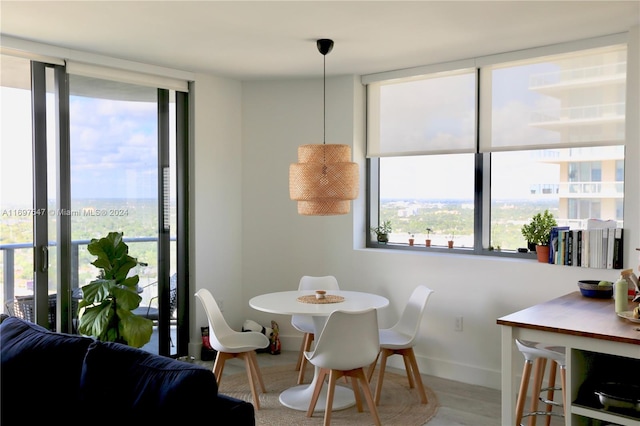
x: 383, y: 238
x: 531, y: 246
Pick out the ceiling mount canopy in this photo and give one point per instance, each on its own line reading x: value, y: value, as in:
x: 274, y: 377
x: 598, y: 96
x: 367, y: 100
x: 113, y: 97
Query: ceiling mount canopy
x: 325, y: 45
x: 324, y: 180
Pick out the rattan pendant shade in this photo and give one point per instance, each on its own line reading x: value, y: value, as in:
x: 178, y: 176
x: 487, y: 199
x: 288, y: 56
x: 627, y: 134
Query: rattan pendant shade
x: 324, y: 180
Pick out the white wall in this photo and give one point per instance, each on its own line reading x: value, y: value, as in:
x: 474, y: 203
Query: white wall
x: 277, y: 246
x: 215, y: 199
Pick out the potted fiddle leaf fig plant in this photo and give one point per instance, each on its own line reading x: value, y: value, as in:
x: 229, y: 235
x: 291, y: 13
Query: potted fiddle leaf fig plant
x: 382, y: 231
x: 538, y: 232
x: 105, y: 310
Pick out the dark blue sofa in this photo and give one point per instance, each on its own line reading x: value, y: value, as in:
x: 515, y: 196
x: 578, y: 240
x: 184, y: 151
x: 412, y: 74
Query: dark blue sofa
x: 47, y: 376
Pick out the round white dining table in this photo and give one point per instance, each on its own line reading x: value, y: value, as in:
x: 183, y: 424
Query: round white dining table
x: 287, y: 303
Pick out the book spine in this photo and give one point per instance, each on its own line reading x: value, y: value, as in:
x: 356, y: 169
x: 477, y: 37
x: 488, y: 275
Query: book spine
x: 579, y: 245
x: 553, y: 244
x: 618, y: 248
x: 586, y: 248
x: 569, y: 252
x: 610, y: 247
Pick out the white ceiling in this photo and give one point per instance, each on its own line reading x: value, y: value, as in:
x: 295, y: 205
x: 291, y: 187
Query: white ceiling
x: 251, y: 40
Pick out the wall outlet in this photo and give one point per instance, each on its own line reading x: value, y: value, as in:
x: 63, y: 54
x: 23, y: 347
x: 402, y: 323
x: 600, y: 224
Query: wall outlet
x: 458, y: 325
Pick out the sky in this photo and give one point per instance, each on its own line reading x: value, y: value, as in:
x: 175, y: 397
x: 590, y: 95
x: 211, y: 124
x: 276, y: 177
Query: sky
x: 113, y: 148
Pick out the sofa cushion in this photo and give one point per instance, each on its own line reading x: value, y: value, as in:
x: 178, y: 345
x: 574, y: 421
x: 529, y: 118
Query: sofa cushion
x: 38, y: 365
x: 144, y: 388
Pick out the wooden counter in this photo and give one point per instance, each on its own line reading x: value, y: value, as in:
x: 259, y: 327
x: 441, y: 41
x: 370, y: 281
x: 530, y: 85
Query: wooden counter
x: 579, y: 316
x: 584, y: 326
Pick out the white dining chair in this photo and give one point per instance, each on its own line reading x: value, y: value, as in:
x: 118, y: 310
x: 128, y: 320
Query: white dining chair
x: 347, y: 344
x: 304, y: 323
x: 233, y: 344
x: 400, y: 339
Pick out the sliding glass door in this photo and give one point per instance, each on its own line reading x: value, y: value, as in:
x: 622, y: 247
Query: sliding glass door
x: 94, y: 156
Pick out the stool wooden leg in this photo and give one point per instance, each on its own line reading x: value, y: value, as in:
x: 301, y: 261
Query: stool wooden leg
x: 522, y: 393
x: 551, y: 383
x: 538, y: 376
x: 563, y: 382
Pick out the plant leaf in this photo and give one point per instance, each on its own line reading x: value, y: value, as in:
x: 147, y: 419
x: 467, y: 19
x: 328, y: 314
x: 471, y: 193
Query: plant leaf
x: 136, y: 330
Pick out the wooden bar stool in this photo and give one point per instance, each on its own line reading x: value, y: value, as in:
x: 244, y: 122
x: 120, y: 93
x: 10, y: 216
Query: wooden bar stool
x: 537, y: 354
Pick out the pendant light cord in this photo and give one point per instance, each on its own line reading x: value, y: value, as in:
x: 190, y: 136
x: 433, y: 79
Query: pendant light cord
x: 324, y: 99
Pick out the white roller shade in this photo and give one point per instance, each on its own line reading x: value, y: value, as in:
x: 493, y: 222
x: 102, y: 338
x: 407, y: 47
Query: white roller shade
x: 420, y: 115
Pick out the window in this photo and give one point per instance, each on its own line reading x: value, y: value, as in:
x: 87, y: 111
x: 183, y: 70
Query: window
x: 473, y: 152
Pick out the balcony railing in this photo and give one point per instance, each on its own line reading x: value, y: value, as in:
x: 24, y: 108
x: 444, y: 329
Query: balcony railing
x: 9, y: 267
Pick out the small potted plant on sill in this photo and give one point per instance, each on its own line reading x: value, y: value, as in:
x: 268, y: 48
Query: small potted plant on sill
x: 538, y: 232
x: 427, y: 242
x: 450, y: 239
x: 382, y: 231
x: 411, y: 238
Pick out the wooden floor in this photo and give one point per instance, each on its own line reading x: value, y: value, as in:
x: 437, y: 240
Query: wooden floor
x: 460, y: 404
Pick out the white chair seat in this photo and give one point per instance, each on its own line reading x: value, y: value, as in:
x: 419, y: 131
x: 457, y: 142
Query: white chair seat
x: 533, y: 350
x: 393, y: 339
x: 302, y: 323
x: 240, y: 342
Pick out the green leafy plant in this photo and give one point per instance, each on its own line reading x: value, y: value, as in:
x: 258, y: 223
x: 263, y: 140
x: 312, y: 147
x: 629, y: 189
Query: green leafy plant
x: 384, y: 228
x: 538, y: 231
x: 105, y: 310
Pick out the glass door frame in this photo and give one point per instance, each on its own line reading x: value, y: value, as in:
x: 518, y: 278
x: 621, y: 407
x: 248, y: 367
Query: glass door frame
x: 63, y: 243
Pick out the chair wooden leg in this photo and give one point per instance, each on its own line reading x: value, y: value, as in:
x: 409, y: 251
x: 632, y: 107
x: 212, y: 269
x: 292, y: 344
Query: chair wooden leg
x: 364, y: 384
x: 301, y: 353
x: 308, y: 339
x: 256, y: 369
x: 410, y: 355
x: 322, y: 374
x: 372, y: 367
x: 407, y: 367
x: 305, y: 345
x: 218, y: 365
x: 333, y: 377
x: 356, y: 391
x: 383, y: 365
x: 538, y: 377
x: 250, y: 376
x: 522, y: 393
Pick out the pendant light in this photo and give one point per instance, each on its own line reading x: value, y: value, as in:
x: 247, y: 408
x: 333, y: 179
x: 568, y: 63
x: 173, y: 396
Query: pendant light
x: 324, y: 180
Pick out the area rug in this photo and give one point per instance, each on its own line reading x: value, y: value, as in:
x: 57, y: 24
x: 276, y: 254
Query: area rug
x: 399, y: 405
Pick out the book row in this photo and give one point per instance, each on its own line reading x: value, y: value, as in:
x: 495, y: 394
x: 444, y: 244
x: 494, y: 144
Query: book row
x: 600, y: 248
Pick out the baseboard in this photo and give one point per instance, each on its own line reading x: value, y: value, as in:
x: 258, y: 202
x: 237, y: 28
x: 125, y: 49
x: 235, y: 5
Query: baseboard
x: 445, y: 369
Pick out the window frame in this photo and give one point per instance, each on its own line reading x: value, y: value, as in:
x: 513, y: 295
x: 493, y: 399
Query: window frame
x: 482, y: 180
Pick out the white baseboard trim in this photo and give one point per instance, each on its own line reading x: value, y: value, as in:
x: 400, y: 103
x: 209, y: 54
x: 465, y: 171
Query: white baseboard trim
x: 434, y: 367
